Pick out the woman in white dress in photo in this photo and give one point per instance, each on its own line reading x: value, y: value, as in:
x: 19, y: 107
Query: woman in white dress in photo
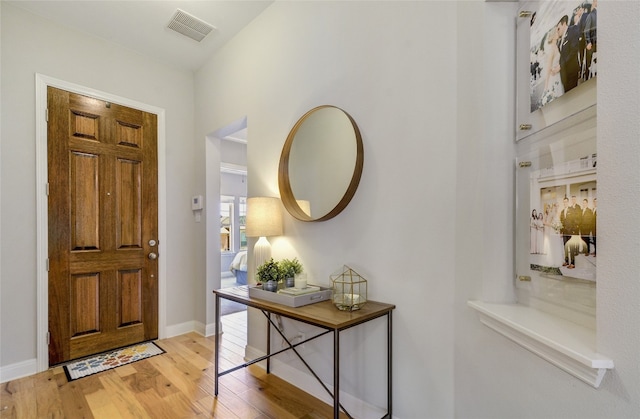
x: 553, y: 87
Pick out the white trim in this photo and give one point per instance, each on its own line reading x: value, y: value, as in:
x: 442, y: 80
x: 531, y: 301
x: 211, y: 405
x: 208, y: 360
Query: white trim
x: 567, y: 345
x: 18, y: 370
x: 212, y: 236
x: 42, y: 288
x: 210, y: 329
x: 184, y: 328
x: 233, y: 169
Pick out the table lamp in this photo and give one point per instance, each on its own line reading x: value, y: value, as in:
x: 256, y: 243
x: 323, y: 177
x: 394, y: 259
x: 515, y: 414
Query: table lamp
x: 264, y: 219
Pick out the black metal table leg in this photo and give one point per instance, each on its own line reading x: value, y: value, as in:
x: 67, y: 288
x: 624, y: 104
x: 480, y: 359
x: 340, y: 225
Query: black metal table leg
x: 269, y: 344
x: 336, y: 374
x: 217, y: 344
x: 389, y: 369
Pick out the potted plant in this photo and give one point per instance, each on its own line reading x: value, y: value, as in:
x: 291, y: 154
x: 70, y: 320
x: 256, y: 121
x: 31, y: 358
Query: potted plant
x: 290, y: 268
x: 269, y: 273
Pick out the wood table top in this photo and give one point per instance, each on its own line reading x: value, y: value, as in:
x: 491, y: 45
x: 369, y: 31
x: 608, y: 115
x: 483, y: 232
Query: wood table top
x: 324, y: 313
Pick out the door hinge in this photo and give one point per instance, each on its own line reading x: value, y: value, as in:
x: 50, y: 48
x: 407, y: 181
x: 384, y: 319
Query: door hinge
x: 47, y: 115
x: 48, y: 338
x: 47, y: 263
x: 46, y: 188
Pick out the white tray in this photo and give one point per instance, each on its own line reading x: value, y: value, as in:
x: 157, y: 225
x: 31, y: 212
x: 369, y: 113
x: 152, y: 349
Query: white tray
x: 290, y: 300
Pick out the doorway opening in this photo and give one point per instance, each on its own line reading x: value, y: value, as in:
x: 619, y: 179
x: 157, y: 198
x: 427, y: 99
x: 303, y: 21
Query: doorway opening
x: 227, y: 192
x: 233, y: 210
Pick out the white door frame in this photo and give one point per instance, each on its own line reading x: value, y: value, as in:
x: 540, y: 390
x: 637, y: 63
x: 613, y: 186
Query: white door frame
x: 42, y: 225
x: 213, y: 169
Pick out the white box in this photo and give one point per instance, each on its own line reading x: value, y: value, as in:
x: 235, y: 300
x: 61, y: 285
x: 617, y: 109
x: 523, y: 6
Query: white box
x: 290, y: 300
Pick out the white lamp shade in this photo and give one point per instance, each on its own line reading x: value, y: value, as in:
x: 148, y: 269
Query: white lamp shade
x: 264, y: 217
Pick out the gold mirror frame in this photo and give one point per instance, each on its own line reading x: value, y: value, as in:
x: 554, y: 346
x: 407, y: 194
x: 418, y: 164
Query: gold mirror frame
x: 286, y: 193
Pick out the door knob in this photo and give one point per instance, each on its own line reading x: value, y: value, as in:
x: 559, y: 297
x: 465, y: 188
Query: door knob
x: 153, y: 256
x: 152, y: 242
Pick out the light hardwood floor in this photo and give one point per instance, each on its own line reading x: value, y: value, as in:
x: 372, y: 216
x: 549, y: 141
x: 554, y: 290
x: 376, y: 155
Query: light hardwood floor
x: 177, y: 384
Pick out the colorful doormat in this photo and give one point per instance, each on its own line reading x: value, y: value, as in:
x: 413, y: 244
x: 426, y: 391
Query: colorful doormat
x: 111, y: 359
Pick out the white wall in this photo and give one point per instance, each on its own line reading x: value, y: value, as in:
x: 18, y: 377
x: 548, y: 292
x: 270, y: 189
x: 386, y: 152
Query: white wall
x: 495, y: 378
x: 33, y: 45
x: 233, y: 152
x: 431, y: 85
x: 233, y: 185
x: 391, y: 65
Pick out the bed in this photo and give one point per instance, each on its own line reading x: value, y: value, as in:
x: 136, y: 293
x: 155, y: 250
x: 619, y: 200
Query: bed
x: 239, y: 267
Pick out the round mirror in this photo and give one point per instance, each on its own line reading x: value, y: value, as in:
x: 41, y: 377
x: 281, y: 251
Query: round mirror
x: 321, y: 164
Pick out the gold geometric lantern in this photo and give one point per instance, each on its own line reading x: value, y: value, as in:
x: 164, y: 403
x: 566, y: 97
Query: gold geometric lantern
x: 349, y: 291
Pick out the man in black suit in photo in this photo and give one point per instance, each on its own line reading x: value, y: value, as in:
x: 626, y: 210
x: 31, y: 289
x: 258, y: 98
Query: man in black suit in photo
x: 565, y: 220
x: 570, y: 217
x: 568, y: 45
x: 595, y: 223
x: 587, y: 224
x: 591, y: 36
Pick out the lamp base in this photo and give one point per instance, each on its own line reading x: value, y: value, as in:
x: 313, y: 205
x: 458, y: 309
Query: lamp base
x: 261, y: 252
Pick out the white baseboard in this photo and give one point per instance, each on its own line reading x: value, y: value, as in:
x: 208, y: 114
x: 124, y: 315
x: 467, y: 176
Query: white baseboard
x: 186, y: 327
x: 307, y: 383
x: 18, y: 370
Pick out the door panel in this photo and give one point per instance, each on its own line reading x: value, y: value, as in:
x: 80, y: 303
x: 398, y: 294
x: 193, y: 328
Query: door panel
x: 85, y: 201
x: 102, y: 162
x: 130, y: 297
x: 129, y: 204
x: 85, y: 291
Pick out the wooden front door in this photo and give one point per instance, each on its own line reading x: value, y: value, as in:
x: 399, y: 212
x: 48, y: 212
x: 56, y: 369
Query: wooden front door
x: 103, y: 225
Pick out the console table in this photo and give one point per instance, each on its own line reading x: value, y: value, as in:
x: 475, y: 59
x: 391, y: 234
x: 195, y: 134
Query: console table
x: 323, y: 315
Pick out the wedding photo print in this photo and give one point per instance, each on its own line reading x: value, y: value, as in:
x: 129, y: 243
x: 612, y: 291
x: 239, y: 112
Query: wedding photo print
x: 563, y: 48
x: 563, y: 220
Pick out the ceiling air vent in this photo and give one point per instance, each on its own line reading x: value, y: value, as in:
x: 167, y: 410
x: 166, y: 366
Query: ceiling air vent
x: 190, y: 26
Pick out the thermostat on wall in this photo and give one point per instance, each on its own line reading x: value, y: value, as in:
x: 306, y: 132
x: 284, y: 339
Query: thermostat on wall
x: 196, y: 202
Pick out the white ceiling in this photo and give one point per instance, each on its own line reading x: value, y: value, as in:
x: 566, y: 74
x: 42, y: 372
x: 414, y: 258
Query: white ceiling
x: 141, y: 25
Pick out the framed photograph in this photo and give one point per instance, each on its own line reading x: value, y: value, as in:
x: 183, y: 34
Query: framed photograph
x: 556, y: 208
x: 556, y: 62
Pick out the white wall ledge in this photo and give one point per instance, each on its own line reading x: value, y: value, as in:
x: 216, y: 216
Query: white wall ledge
x: 566, y: 345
